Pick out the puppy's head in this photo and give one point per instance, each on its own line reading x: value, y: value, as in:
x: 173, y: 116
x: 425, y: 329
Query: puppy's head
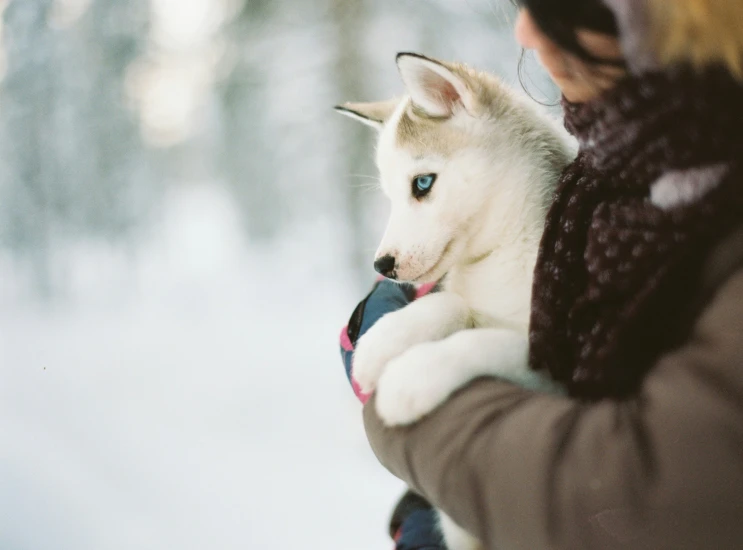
x: 437, y: 158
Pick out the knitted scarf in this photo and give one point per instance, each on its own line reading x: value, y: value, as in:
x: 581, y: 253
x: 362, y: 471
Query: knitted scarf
x: 656, y: 183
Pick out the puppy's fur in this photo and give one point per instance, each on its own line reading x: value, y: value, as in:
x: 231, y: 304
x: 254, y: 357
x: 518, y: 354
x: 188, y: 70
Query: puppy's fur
x: 496, y: 160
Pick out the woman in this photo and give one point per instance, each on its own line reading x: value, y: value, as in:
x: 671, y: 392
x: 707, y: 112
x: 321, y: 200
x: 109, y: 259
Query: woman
x: 637, y: 304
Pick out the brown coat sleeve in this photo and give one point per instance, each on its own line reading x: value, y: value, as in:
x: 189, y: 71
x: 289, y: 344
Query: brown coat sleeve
x: 527, y: 471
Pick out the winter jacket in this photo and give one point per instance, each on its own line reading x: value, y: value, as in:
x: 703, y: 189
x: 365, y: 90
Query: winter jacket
x: 660, y: 470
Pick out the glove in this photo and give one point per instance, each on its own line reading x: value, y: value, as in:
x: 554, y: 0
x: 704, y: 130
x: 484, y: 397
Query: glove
x: 414, y: 525
x: 414, y: 522
x: 386, y: 296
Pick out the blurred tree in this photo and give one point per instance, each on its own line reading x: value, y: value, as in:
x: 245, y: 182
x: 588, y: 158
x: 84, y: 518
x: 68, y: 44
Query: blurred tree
x: 74, y: 165
x: 352, y: 21
x: 115, y: 185
x: 32, y: 197
x: 246, y: 157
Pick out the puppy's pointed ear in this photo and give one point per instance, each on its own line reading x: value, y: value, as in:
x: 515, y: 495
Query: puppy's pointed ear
x: 372, y: 114
x: 434, y: 87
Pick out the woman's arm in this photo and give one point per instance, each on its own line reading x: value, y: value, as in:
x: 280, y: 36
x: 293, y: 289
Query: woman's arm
x: 523, y: 470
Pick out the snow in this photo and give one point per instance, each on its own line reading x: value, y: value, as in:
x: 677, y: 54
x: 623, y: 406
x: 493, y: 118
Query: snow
x: 188, y: 396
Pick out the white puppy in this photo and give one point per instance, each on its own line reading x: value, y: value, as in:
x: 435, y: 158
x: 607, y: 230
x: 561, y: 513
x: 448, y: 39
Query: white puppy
x: 470, y: 169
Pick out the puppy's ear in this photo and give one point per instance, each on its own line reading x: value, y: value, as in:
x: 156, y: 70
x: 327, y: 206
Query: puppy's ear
x: 434, y: 87
x: 372, y: 114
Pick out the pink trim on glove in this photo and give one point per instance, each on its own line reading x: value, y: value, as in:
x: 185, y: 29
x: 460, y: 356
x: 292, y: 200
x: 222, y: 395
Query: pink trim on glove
x: 424, y: 289
x: 363, y: 397
x: 347, y: 345
x: 345, y: 340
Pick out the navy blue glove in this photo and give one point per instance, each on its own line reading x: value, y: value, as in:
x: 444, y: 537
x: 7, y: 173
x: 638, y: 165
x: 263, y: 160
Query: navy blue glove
x: 414, y: 522
x: 385, y: 297
x: 414, y: 525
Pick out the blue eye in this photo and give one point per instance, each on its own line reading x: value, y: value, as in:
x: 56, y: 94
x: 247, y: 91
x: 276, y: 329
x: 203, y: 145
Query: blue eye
x: 422, y: 185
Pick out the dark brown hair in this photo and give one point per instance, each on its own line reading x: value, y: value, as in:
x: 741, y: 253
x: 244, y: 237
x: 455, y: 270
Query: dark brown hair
x: 560, y: 20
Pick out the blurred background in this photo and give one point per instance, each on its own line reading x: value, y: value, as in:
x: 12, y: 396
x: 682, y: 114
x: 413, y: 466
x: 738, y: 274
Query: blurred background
x: 185, y: 225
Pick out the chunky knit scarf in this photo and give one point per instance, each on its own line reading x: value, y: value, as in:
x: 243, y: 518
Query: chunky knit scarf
x: 657, y: 182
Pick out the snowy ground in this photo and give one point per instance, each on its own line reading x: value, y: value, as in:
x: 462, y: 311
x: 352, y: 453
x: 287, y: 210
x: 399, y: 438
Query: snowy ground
x: 189, y: 398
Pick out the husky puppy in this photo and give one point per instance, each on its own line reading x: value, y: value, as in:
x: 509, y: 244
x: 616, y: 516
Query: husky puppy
x: 469, y: 168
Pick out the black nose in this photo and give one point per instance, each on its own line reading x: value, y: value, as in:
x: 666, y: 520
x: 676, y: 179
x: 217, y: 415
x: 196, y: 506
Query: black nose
x: 386, y: 266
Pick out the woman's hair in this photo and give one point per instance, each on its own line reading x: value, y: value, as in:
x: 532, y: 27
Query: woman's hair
x: 699, y: 33
x: 560, y: 21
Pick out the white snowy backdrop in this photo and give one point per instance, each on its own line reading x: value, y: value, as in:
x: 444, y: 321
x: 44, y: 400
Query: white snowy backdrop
x: 184, y: 227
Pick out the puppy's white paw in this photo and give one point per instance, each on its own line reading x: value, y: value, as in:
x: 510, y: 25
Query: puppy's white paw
x: 381, y: 343
x: 416, y: 383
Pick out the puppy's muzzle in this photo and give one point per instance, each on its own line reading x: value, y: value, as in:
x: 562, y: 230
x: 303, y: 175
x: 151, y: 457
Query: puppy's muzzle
x: 386, y: 266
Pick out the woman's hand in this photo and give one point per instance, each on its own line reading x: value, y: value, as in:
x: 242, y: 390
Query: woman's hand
x: 386, y: 296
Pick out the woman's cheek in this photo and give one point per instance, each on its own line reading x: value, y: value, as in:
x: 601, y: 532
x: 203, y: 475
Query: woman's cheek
x: 554, y: 63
